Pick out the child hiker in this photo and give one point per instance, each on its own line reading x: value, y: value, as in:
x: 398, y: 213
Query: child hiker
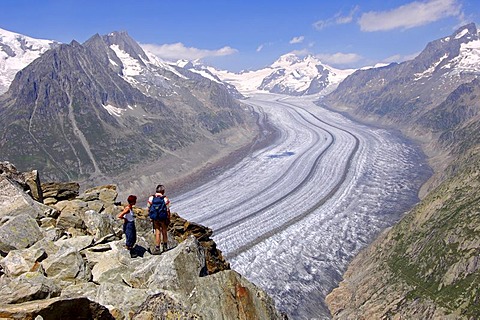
x: 129, y: 222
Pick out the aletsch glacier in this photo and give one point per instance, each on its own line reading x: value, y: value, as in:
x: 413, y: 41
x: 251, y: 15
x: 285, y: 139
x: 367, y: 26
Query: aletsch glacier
x: 291, y: 216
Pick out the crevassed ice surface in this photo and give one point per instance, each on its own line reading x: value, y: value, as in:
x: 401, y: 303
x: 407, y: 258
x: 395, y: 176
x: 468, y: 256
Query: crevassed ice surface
x: 291, y: 216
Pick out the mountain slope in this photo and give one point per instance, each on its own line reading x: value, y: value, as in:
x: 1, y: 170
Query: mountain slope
x: 398, y: 92
x: 17, y: 51
x: 99, y: 109
x: 427, y: 266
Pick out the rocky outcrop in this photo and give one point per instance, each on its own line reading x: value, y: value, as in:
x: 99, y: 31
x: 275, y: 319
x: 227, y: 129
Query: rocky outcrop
x: 29, y: 181
x: 76, y: 258
x: 425, y: 267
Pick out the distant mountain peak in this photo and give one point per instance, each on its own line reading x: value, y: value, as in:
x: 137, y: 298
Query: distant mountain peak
x: 290, y: 74
x: 286, y: 60
x: 125, y: 43
x: 466, y: 31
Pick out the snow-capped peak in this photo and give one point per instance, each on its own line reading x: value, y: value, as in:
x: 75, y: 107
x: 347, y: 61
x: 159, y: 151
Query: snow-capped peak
x: 289, y: 74
x: 16, y: 52
x: 286, y: 60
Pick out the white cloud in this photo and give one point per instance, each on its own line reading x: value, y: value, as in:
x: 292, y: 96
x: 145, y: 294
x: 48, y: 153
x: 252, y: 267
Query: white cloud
x: 301, y: 53
x: 336, y: 19
x: 297, y: 40
x: 177, y: 51
x: 339, y: 58
x: 410, y: 15
x: 400, y: 58
x: 260, y: 48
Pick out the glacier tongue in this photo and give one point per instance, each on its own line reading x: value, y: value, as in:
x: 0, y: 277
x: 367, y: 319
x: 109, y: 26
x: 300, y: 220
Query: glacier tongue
x: 291, y: 216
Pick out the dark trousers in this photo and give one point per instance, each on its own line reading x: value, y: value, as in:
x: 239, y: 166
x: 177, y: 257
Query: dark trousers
x: 130, y: 233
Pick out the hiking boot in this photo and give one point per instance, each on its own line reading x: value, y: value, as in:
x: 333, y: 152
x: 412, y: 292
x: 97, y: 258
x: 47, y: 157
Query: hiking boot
x: 165, y: 248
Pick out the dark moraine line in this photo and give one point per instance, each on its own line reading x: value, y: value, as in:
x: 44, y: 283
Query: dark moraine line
x: 267, y: 135
x: 309, y: 176
x: 303, y: 215
x: 272, y: 185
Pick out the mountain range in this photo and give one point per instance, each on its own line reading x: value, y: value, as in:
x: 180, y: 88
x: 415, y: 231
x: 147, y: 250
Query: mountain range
x: 96, y: 110
x: 290, y: 75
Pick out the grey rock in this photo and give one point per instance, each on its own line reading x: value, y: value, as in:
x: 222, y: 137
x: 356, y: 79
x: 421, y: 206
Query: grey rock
x: 28, y: 286
x: 173, y: 271
x: 98, y: 225
x: 15, y: 201
x: 60, y: 190
x: 227, y: 295
x: 21, y: 261
x: 18, y: 232
x: 67, y: 265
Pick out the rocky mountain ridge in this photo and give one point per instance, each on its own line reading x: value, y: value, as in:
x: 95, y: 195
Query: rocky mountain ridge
x: 398, y: 92
x: 427, y: 266
x: 70, y: 254
x: 98, y: 110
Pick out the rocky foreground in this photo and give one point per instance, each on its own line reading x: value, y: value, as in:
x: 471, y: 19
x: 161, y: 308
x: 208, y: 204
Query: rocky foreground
x: 63, y: 256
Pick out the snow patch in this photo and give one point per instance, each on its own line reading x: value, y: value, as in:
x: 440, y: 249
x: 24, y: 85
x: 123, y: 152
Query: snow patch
x: 461, y: 34
x: 114, y: 111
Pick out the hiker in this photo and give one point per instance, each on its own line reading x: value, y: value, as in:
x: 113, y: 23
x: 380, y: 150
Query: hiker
x: 129, y: 222
x: 159, y: 212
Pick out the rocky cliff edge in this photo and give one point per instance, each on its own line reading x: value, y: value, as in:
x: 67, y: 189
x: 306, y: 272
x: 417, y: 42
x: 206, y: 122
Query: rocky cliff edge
x: 65, y: 258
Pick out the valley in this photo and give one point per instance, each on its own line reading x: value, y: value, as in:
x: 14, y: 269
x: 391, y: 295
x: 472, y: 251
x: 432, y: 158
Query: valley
x: 291, y: 216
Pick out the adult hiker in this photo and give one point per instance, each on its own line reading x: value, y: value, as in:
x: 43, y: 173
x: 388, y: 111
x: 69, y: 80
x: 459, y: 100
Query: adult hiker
x: 158, y: 206
x: 128, y: 217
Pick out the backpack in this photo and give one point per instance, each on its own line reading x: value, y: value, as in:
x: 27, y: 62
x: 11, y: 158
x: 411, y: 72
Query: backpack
x: 158, y: 209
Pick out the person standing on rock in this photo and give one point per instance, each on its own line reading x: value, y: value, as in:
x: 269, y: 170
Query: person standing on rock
x: 158, y: 206
x: 128, y: 217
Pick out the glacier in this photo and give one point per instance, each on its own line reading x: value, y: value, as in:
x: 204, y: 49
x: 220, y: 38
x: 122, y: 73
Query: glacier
x: 289, y: 217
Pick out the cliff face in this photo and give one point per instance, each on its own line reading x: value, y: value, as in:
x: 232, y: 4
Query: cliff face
x: 428, y: 265
x: 67, y: 259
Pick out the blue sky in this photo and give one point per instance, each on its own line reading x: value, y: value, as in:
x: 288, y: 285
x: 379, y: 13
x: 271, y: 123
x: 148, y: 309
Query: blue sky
x: 241, y: 35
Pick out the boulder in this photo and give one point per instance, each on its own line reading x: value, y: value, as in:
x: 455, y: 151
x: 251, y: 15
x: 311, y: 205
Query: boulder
x: 29, y: 181
x: 98, y: 225
x: 58, y: 308
x: 27, y: 287
x: 60, y: 190
x: 67, y: 265
x: 164, y: 305
x: 227, y: 295
x: 181, y: 229
x: 70, y: 214
x: 111, y: 263
x: 21, y: 261
x: 121, y: 300
x: 107, y: 194
x: 18, y: 232
x: 176, y: 270
x: 15, y: 201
